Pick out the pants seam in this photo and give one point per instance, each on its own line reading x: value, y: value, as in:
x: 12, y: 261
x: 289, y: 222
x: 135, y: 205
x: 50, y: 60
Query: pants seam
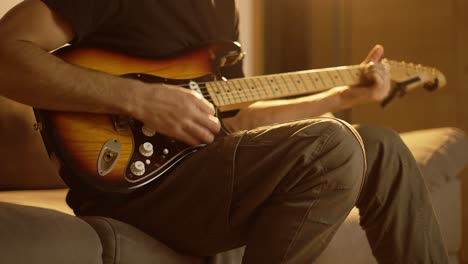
x: 310, y: 206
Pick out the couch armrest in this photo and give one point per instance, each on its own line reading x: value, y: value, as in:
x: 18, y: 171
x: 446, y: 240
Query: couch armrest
x: 441, y: 153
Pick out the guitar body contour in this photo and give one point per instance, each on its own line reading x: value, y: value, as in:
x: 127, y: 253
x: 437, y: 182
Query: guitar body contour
x: 116, y: 153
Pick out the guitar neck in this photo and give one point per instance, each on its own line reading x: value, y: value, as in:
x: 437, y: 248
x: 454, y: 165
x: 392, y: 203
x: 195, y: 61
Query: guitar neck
x: 238, y: 93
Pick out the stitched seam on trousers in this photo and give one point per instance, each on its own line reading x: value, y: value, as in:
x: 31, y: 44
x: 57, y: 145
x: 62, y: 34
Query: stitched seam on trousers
x: 233, y: 176
x: 116, y: 254
x: 294, y: 239
x: 310, y: 206
x: 361, y: 143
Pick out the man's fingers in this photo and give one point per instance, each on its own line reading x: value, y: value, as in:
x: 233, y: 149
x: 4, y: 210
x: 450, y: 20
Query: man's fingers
x: 374, y: 55
x: 198, y: 134
x: 205, y: 105
x: 210, y: 122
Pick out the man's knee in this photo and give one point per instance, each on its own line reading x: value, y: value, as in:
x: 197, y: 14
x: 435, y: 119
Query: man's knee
x: 342, y: 158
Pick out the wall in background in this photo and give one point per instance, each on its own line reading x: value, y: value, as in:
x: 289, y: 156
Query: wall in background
x: 5, y: 5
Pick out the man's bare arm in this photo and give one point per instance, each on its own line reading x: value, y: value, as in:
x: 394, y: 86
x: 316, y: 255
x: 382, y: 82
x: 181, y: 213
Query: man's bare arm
x: 269, y: 112
x: 31, y: 75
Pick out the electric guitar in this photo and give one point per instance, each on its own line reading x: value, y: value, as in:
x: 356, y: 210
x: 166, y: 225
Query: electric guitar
x: 119, y: 154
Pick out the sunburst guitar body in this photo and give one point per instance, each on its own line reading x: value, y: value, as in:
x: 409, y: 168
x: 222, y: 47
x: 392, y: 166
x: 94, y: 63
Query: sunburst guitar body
x: 112, y: 153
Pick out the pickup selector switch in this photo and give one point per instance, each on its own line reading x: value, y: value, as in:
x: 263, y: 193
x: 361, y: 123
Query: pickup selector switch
x: 146, y: 149
x: 137, y: 168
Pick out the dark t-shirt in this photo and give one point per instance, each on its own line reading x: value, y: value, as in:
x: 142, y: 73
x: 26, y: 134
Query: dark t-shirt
x: 148, y: 28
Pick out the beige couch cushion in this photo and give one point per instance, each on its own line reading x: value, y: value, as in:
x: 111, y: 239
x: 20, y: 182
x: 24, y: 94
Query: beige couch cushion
x: 23, y: 158
x: 52, y: 199
x: 441, y: 153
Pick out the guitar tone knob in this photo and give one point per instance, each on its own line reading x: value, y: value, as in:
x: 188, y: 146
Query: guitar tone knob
x: 147, y: 131
x: 146, y: 149
x: 138, y: 168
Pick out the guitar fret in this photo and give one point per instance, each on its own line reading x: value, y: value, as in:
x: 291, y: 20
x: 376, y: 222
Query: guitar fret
x: 354, y: 74
x: 238, y: 91
x: 206, y: 94
x: 304, y: 82
x: 252, y: 87
x: 272, y: 85
x: 263, y: 87
x: 248, y: 89
x: 349, y: 76
x: 326, y: 79
x: 232, y: 91
x: 320, y: 85
x: 226, y: 91
x: 297, y: 83
x: 260, y: 82
x: 226, y: 99
x: 313, y: 86
x: 241, y: 95
x: 293, y: 83
x: 216, y: 93
x: 343, y: 81
x: 334, y: 78
x: 281, y: 77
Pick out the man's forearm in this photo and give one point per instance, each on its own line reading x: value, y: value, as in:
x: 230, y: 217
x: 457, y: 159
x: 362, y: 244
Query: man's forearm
x: 34, y: 77
x: 275, y: 111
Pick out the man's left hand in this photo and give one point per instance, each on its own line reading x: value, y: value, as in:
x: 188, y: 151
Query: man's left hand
x: 376, y: 81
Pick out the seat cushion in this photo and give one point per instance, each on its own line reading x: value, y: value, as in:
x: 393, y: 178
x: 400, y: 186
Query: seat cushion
x: 124, y: 244
x: 51, y: 199
x: 38, y: 235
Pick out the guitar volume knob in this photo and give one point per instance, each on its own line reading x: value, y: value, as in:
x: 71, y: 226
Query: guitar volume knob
x: 146, y: 149
x: 137, y: 168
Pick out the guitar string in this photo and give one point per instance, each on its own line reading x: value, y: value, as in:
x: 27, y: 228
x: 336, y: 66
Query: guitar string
x: 237, y: 94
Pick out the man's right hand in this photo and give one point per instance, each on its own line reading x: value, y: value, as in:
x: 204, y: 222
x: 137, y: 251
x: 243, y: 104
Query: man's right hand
x: 175, y: 112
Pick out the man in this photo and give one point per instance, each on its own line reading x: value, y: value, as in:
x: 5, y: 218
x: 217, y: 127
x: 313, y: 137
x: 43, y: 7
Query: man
x: 282, y: 190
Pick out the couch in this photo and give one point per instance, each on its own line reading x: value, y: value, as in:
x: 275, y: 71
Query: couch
x: 36, y: 226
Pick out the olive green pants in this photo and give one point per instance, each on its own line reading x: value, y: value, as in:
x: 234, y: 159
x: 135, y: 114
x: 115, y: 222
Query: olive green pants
x: 283, y: 191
